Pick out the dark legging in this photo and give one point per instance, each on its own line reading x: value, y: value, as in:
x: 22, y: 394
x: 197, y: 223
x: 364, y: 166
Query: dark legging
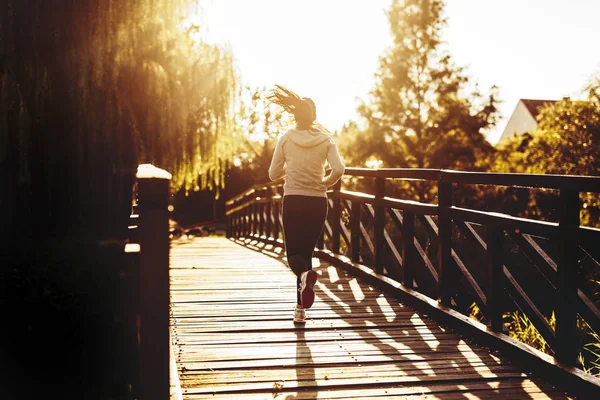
x: 303, y: 219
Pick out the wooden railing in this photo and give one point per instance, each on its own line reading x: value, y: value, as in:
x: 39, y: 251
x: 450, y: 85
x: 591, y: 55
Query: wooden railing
x: 144, y: 288
x: 454, y: 254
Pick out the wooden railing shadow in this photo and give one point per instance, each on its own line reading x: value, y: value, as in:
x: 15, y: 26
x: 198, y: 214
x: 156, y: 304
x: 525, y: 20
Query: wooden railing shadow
x: 447, y: 354
x: 432, y: 360
x: 422, y: 252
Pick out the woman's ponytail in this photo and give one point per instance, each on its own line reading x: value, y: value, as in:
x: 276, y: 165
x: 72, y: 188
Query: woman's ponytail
x: 303, y: 108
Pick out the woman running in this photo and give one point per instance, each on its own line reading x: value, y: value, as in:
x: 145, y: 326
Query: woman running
x: 300, y: 156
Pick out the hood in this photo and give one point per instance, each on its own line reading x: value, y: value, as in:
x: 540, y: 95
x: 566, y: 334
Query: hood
x: 307, y: 138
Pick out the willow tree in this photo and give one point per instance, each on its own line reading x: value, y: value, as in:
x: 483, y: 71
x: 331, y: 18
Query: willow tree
x: 92, y: 88
x: 423, y: 111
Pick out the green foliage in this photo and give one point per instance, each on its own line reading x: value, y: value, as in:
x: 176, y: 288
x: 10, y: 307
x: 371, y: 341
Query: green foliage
x: 566, y: 142
x: 420, y: 113
x: 519, y: 327
x: 476, y: 314
x: 258, y: 124
x: 90, y: 90
x: 522, y: 329
x: 589, y: 359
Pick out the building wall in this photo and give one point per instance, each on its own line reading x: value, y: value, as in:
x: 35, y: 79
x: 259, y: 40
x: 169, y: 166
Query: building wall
x: 520, y: 121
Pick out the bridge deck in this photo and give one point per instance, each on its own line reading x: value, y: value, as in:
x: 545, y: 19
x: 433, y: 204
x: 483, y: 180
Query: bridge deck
x: 233, y: 336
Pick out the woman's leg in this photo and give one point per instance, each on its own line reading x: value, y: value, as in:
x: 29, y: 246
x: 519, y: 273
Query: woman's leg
x: 303, y: 219
x: 293, y: 237
x: 315, y: 217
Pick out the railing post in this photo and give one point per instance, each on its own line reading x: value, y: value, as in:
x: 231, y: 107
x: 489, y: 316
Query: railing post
x: 495, y: 276
x: 133, y: 223
x: 379, y: 225
x: 239, y: 226
x: 236, y: 223
x: 249, y: 220
x: 252, y: 218
x: 336, y: 226
x: 237, y: 220
x: 130, y: 299
x: 153, y: 189
x: 355, y: 230
x: 242, y: 226
x: 445, y: 244
x: 408, y: 248
x: 567, y: 271
x: 255, y: 217
x: 269, y: 211
x: 321, y: 240
x: 260, y: 208
x: 276, y: 211
x: 228, y: 224
x: 231, y: 219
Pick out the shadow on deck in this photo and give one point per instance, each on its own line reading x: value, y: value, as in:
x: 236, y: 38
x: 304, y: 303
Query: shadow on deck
x: 233, y: 336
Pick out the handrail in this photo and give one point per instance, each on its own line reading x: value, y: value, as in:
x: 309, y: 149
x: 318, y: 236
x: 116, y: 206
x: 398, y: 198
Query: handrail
x: 396, y: 173
x: 251, y: 190
x: 540, y: 228
x: 539, y: 181
x: 359, y: 219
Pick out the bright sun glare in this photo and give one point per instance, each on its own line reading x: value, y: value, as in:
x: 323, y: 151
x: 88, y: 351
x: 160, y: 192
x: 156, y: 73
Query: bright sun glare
x: 326, y: 50
x: 329, y: 50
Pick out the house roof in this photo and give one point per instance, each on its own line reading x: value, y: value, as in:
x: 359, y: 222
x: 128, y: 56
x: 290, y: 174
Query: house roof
x: 534, y: 106
x: 517, y: 124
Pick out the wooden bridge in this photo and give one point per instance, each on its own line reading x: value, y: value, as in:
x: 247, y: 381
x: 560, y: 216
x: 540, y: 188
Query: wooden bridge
x: 395, y: 280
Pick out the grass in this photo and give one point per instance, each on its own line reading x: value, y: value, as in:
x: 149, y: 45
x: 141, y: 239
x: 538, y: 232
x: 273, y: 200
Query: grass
x: 590, y: 357
x: 521, y: 328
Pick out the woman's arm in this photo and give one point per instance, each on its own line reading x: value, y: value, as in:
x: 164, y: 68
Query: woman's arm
x: 337, y: 167
x: 277, y: 170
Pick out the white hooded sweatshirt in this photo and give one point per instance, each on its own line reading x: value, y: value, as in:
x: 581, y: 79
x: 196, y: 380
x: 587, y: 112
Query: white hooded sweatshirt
x: 300, y: 157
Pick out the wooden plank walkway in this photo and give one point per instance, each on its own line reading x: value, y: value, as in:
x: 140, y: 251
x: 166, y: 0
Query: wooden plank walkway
x: 233, y: 336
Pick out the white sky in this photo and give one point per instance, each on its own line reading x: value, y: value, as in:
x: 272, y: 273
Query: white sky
x: 328, y: 49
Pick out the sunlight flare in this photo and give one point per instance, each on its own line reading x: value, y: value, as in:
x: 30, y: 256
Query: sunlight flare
x: 531, y: 388
x: 333, y: 275
x: 333, y: 296
x: 356, y: 290
x: 386, y: 308
x: 424, y: 331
